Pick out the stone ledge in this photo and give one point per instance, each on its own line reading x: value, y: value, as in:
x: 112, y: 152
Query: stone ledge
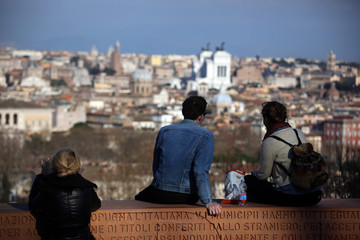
x: 331, y: 219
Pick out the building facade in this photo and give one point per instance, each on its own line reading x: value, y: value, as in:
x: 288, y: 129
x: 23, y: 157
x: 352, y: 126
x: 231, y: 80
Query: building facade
x: 248, y: 74
x: 141, y: 83
x: 25, y: 117
x: 212, y: 68
x: 341, y: 138
x: 66, y: 116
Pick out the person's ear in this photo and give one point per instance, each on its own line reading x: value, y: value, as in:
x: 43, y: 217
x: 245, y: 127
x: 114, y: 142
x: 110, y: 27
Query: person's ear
x: 199, y: 118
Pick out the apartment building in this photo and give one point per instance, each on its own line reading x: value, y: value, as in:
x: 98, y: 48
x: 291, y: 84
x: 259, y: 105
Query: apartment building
x: 341, y: 138
x: 25, y: 116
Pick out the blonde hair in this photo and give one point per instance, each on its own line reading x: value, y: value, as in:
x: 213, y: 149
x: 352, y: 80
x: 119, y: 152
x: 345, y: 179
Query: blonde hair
x: 65, y: 162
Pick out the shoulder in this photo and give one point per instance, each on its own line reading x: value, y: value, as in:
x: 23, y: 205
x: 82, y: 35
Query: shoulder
x: 39, y: 178
x: 82, y: 182
x: 187, y: 125
x: 289, y: 135
x: 301, y: 133
x: 269, y: 143
x: 208, y: 132
x: 202, y: 131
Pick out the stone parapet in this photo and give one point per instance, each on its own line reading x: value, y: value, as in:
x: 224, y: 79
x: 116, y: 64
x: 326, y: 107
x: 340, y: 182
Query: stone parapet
x: 331, y: 219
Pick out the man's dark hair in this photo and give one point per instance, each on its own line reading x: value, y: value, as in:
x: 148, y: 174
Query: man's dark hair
x: 274, y: 111
x: 193, y: 107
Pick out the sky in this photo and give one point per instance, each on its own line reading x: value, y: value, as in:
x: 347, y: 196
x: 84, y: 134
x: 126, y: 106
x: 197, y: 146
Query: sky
x: 269, y: 28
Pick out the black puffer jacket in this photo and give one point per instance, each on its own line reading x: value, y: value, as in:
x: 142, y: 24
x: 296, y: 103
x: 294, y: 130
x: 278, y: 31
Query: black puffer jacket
x: 62, y: 206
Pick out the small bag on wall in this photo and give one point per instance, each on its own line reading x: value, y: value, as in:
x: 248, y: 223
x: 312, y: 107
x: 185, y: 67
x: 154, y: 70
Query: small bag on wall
x: 235, y: 187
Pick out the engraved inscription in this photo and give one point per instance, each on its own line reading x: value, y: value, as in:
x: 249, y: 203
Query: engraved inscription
x: 232, y: 224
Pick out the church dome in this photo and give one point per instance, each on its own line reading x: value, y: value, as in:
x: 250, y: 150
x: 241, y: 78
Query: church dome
x: 141, y: 74
x: 332, y: 93
x: 222, y: 98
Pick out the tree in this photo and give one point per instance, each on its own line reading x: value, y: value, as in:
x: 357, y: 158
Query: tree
x: 36, y: 144
x: 6, y: 187
x: 94, y: 70
x: 82, y: 125
x: 109, y: 71
x: 57, y: 83
x: 75, y: 59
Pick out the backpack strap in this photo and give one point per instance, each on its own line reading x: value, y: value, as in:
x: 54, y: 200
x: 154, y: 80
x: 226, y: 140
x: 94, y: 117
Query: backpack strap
x: 287, y: 143
x: 297, y: 135
x: 282, y: 140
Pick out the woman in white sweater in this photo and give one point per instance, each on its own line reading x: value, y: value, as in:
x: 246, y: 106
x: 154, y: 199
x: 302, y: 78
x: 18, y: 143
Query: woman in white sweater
x: 271, y: 183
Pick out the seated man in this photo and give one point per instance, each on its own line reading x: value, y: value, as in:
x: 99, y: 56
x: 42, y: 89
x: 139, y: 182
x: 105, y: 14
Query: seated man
x: 183, y: 155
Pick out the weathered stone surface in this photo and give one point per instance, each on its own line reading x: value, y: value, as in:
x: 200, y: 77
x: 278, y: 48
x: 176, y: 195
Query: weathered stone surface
x: 133, y: 220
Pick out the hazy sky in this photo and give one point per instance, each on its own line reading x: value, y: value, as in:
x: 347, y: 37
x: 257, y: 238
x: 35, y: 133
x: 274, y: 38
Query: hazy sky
x: 271, y: 28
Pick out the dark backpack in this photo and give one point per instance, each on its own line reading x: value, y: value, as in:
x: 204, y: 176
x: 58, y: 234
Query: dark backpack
x: 307, y: 168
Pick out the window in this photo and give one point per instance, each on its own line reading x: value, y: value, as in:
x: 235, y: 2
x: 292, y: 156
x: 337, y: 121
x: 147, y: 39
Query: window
x: 15, y: 119
x: 0, y: 119
x: 221, y: 71
x: 7, y: 119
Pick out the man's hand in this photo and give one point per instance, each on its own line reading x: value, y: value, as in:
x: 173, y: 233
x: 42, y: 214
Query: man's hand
x: 214, y: 208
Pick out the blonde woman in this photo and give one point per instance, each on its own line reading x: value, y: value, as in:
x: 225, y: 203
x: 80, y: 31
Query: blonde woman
x: 62, y: 200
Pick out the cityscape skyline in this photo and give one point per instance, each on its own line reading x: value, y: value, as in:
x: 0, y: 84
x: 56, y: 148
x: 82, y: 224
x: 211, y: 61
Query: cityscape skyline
x: 298, y: 29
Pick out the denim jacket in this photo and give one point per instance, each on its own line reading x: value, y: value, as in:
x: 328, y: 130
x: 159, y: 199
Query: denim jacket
x: 183, y: 155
